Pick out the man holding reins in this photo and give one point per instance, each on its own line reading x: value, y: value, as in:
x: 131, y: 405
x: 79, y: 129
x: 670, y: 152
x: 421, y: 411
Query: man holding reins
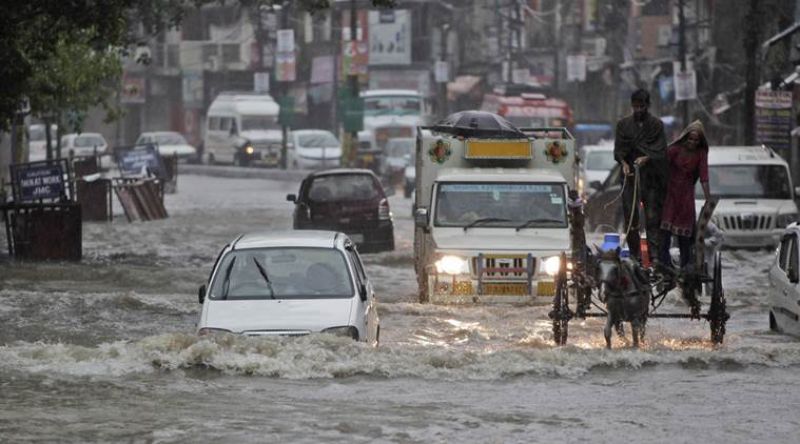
x: 639, y: 142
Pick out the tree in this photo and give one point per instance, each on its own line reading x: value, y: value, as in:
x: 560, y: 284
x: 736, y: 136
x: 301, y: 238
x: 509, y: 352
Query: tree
x: 73, y: 79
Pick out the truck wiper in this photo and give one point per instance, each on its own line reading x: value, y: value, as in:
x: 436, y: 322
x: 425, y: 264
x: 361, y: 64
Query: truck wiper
x: 484, y: 220
x: 530, y: 222
x: 263, y: 273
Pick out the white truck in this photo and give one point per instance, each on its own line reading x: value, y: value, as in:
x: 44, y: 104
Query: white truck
x: 490, y: 215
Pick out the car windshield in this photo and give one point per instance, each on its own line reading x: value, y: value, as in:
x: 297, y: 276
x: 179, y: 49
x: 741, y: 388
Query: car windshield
x: 400, y: 147
x: 501, y: 204
x: 282, y: 273
x: 253, y: 122
x: 392, y: 105
x: 170, y: 139
x: 747, y: 181
x: 84, y: 141
x: 600, y: 160
x: 317, y: 140
x: 343, y: 187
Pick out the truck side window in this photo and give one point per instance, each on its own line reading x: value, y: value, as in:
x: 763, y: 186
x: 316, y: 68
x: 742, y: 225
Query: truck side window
x: 793, y: 260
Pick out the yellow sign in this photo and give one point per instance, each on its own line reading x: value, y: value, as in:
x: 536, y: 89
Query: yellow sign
x: 515, y: 289
x: 499, y: 149
x: 545, y: 288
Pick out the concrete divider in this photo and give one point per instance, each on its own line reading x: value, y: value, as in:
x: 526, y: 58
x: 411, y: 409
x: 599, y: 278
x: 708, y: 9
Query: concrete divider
x: 234, y: 172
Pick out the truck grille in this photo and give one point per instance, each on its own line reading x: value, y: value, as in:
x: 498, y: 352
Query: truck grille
x: 749, y: 222
x: 498, y: 267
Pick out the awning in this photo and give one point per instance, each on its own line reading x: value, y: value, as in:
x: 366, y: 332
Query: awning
x: 462, y: 85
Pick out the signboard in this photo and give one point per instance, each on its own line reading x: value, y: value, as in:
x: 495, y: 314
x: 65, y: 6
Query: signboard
x: 441, y: 71
x: 285, y: 67
x: 774, y: 119
x: 685, y: 85
x: 390, y: 37
x: 37, y: 181
x: 261, y: 82
x: 285, y: 40
x: 355, y: 58
x: 576, y: 68
x: 133, y: 88
x: 192, y: 88
x: 140, y: 160
x: 322, y: 69
x: 521, y: 76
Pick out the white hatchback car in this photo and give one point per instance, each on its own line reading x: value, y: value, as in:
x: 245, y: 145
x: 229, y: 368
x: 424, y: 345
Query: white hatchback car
x: 314, y: 149
x: 784, y: 284
x: 84, y: 144
x: 169, y: 143
x: 290, y: 283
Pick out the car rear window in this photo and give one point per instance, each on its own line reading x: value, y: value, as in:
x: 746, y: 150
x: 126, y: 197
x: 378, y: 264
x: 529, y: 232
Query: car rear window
x: 338, y: 187
x: 317, y: 140
x: 84, y: 141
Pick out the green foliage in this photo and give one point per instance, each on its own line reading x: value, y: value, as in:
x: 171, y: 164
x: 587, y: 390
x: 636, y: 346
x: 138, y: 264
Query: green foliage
x: 73, y: 79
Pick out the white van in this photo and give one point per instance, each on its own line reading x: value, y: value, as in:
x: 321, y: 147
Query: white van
x: 756, y: 197
x: 242, y: 128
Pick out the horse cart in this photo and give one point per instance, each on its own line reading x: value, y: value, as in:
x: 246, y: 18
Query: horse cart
x: 604, y: 284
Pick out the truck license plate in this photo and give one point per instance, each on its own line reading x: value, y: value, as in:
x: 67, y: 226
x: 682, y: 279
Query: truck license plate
x: 514, y: 289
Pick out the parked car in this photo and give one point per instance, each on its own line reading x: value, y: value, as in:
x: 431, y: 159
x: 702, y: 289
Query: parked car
x: 348, y: 200
x: 169, y: 143
x: 596, y: 162
x: 398, y: 156
x: 84, y: 144
x: 784, y: 289
x: 313, y: 149
x: 37, y: 142
x: 290, y: 283
x: 756, y: 197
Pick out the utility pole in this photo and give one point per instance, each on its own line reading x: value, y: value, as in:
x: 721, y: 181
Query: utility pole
x: 682, y: 55
x: 751, y: 71
x: 284, y: 90
x: 353, y: 77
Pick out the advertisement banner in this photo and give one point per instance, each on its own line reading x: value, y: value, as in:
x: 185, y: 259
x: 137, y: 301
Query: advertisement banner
x: 285, y: 67
x: 192, y: 88
x: 322, y: 69
x: 774, y: 119
x: 133, y: 88
x: 390, y: 37
x: 576, y: 68
x: 685, y: 85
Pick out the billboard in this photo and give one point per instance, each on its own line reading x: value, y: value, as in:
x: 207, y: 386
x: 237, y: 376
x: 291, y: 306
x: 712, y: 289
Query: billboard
x: 390, y: 37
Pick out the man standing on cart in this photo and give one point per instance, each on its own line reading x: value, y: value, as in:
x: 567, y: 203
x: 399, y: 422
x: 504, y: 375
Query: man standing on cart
x: 640, y: 141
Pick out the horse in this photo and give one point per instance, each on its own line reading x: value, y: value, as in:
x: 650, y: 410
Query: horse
x: 625, y: 289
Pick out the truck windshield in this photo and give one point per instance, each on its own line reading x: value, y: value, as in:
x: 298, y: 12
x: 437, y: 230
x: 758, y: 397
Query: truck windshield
x: 282, y: 273
x: 254, y: 122
x: 392, y: 106
x: 748, y: 182
x: 506, y: 204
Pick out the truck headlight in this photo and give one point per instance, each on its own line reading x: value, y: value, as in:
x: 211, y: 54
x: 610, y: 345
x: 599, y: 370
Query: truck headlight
x: 452, y: 265
x: 551, y: 265
x: 249, y: 150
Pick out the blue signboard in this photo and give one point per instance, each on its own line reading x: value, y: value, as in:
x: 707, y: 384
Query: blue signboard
x: 140, y: 160
x: 38, y: 181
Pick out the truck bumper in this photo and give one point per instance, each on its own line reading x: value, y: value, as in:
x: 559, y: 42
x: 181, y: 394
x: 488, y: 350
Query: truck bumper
x: 448, y: 289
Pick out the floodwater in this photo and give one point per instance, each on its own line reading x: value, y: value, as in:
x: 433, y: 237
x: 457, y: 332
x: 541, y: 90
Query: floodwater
x: 105, y: 350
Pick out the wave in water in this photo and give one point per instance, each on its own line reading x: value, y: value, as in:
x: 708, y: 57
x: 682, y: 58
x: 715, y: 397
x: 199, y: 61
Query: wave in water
x: 326, y: 356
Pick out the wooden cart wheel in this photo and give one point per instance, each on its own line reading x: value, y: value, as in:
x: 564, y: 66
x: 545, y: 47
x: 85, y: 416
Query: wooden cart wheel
x: 717, y: 313
x: 561, y: 314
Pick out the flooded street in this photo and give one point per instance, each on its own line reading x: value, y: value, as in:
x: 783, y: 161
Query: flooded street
x: 105, y: 350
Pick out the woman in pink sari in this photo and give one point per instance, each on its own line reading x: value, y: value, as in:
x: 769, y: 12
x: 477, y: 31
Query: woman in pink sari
x: 688, y: 163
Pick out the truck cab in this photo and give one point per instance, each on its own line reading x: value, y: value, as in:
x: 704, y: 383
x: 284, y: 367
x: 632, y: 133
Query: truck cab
x: 491, y: 215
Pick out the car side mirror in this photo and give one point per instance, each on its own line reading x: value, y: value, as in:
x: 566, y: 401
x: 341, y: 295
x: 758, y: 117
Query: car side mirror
x: 291, y: 197
x: 421, y: 218
x: 362, y: 292
x: 596, y: 185
x: 201, y: 293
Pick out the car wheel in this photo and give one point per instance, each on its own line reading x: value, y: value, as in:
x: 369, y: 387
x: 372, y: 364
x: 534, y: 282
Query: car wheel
x: 240, y: 161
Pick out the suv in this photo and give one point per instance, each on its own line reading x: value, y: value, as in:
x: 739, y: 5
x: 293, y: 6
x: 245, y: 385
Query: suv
x: 756, y: 198
x: 348, y: 200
